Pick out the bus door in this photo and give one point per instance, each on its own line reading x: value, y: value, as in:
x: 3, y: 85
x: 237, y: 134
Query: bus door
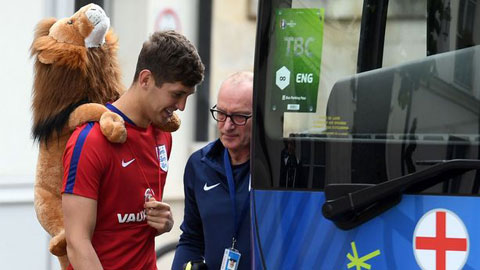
x: 366, y: 144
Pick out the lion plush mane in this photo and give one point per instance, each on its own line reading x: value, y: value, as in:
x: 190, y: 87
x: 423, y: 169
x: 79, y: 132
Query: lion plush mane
x: 76, y: 72
x: 69, y: 75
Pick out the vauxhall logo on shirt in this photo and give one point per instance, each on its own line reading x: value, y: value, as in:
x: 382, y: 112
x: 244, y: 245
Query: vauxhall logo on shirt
x: 136, y: 217
x: 131, y: 217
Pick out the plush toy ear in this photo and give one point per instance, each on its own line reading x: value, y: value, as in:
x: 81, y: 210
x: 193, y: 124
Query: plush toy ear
x: 43, y: 47
x: 41, y: 31
x: 43, y: 27
x: 46, y: 57
x: 111, y: 40
x: 49, y: 51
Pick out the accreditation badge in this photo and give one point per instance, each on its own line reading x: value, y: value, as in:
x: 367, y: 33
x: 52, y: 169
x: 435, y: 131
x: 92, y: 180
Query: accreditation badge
x: 231, y: 259
x: 162, y: 157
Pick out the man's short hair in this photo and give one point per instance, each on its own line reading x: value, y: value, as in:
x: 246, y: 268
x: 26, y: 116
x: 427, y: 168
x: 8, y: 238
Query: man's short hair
x: 240, y: 77
x: 171, y: 57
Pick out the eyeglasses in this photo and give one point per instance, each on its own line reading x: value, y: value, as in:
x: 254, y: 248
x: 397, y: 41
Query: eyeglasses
x: 237, y: 118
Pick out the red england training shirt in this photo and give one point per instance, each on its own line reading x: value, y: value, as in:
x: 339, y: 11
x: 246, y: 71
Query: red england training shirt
x: 119, y: 177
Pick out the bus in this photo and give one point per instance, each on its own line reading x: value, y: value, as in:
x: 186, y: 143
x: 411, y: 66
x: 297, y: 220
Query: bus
x: 366, y: 135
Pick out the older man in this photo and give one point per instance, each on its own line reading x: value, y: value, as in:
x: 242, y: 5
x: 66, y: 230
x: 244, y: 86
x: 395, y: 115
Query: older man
x: 216, y: 225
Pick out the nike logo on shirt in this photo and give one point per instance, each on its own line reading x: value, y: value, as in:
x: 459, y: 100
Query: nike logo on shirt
x: 207, y: 188
x: 125, y: 164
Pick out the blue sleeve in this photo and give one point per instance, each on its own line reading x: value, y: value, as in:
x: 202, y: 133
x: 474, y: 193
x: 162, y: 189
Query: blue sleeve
x: 191, y: 244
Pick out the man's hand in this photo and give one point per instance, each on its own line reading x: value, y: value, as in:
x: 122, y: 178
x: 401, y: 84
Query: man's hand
x: 159, y: 216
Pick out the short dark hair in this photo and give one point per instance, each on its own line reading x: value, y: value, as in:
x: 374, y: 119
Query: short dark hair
x: 171, y: 57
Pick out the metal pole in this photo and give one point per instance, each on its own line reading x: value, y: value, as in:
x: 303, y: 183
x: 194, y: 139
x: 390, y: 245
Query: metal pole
x: 372, y: 35
x: 203, y: 90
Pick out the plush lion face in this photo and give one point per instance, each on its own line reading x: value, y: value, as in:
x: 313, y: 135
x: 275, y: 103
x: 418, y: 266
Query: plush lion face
x: 75, y: 63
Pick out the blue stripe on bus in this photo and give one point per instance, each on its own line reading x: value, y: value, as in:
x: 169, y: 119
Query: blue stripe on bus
x: 293, y: 234
x: 72, y: 172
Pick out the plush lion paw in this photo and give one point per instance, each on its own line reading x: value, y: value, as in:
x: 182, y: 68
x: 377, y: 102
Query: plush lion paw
x: 113, y: 127
x: 172, y: 125
x: 58, y: 244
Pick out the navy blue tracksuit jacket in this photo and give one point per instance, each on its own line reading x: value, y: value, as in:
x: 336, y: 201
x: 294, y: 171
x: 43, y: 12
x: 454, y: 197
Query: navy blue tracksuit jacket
x: 208, y: 224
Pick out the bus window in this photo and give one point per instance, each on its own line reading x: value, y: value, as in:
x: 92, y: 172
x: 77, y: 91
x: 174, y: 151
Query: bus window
x: 325, y: 120
x: 366, y: 135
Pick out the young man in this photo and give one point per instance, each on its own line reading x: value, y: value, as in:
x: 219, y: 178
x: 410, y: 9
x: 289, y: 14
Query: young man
x: 112, y: 192
x: 216, y: 178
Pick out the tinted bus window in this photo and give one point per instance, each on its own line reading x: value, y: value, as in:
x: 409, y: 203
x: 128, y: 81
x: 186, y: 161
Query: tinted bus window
x: 319, y: 121
x: 366, y: 135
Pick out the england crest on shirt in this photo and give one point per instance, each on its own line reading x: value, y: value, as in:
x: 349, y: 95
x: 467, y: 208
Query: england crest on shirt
x: 162, y: 157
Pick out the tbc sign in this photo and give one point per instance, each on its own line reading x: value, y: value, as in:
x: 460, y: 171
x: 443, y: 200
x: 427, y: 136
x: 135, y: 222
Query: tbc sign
x: 440, y: 241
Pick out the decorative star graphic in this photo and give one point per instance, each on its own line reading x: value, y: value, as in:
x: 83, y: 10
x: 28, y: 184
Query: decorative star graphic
x: 360, y: 262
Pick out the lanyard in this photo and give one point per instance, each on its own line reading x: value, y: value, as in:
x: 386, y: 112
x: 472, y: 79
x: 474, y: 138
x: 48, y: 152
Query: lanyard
x: 161, y: 186
x: 154, y: 131
x: 231, y: 190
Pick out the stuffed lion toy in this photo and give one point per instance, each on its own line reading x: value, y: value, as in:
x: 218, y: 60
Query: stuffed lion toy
x: 76, y: 72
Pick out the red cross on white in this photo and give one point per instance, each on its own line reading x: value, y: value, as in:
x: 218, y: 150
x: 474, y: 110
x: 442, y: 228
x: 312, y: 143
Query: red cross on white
x: 440, y: 241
